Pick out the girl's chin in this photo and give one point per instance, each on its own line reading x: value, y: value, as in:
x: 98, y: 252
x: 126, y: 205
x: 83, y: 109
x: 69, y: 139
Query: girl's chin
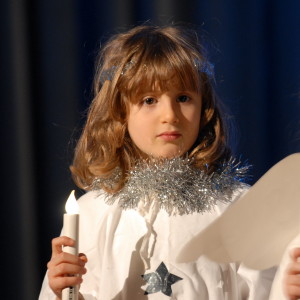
x: 166, y: 154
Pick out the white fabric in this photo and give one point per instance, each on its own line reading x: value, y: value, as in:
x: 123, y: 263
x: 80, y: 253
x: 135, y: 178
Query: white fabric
x: 258, y: 227
x: 112, y: 239
x: 277, y: 292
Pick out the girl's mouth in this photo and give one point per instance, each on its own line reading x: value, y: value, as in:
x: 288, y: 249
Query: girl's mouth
x: 169, y: 135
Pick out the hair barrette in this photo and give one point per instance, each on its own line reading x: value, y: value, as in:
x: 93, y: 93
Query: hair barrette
x: 204, y: 67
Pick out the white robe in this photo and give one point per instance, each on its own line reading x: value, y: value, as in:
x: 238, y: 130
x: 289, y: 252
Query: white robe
x: 111, y: 238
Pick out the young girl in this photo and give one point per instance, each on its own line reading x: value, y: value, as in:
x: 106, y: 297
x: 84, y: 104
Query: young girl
x: 154, y: 157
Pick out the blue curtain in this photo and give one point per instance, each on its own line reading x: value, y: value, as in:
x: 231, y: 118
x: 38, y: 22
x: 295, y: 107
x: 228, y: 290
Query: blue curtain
x: 47, y: 55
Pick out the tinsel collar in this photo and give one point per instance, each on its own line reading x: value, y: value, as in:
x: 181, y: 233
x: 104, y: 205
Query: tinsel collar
x: 178, y: 186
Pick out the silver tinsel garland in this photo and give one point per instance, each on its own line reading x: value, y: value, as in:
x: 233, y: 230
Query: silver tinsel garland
x: 178, y: 186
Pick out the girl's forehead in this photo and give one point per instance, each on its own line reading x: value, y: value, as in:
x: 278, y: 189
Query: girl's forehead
x: 158, y: 85
x: 162, y: 84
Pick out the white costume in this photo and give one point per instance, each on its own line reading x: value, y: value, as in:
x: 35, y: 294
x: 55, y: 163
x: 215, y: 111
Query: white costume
x: 120, y: 244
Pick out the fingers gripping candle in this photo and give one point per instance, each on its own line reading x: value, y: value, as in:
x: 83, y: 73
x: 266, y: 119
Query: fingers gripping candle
x: 70, y: 229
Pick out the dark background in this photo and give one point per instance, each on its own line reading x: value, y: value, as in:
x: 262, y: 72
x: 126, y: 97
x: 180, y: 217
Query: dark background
x: 47, y: 55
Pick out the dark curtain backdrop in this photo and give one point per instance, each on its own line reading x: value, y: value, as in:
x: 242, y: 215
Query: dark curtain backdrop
x: 47, y: 54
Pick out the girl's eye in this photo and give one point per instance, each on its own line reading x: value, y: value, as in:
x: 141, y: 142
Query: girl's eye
x: 149, y: 101
x: 183, y: 98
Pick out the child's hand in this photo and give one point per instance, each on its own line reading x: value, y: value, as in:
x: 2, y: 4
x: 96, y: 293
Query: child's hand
x: 63, y: 266
x: 291, y: 280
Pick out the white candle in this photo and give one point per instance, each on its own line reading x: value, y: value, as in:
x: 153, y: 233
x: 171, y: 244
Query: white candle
x: 70, y: 229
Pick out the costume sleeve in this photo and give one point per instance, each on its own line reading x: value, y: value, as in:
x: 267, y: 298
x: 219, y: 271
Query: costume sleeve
x: 46, y: 293
x: 255, y: 285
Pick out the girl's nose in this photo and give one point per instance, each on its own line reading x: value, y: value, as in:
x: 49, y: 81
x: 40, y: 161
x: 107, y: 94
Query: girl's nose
x: 169, y: 112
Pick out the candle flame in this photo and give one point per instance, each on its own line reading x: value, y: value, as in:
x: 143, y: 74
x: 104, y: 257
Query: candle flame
x: 72, y: 205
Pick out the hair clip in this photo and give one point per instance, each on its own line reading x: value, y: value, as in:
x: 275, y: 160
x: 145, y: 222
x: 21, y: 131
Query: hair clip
x: 108, y: 74
x: 203, y: 67
x: 127, y: 66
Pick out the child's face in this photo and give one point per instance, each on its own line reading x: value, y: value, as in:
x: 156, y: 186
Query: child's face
x: 165, y: 124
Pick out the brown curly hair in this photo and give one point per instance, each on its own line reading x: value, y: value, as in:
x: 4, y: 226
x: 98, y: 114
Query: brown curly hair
x: 144, y: 56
